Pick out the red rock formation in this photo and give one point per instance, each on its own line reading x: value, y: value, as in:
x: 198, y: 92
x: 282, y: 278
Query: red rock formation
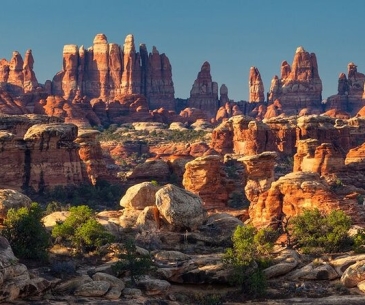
x: 204, y: 93
x: 256, y: 86
x: 36, y: 153
x: 105, y: 71
x: 300, y: 85
x: 160, y: 88
x: 323, y: 159
x: 260, y: 174
x: 350, y: 96
x: 30, y: 81
x: 205, y: 177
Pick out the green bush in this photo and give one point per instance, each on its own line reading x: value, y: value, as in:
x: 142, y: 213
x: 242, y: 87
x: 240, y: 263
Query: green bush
x: 130, y: 261
x: 359, y: 241
x: 248, y: 256
x: 82, y: 230
x: 26, y: 233
x: 315, y: 232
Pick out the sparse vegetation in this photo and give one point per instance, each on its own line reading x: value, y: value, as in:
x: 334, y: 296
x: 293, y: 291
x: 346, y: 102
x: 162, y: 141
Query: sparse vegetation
x: 131, y: 262
x: 315, y: 232
x: 248, y: 256
x: 26, y: 233
x: 82, y: 230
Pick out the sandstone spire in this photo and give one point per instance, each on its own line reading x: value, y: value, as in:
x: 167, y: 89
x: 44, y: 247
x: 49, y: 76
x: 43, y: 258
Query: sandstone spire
x: 204, y: 93
x: 300, y: 85
x: 30, y: 80
x: 256, y: 86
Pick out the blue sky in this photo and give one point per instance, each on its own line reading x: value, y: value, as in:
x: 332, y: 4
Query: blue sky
x: 231, y: 35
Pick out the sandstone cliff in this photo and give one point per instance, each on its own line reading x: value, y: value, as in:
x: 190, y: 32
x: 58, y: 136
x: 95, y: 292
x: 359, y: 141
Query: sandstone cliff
x: 38, y: 152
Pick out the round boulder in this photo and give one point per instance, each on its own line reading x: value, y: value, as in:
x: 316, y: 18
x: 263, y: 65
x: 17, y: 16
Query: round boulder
x: 12, y: 199
x: 179, y: 207
x: 140, y: 196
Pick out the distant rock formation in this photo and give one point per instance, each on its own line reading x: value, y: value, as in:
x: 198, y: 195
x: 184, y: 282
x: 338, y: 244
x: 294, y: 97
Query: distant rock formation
x: 256, y: 86
x: 299, y: 85
x: 351, y: 94
x: 247, y: 136
x: 108, y: 72
x: 204, y: 93
x: 17, y: 76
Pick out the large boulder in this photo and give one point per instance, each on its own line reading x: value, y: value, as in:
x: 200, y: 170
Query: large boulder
x: 12, y: 199
x: 140, y: 196
x: 180, y: 208
x: 354, y: 274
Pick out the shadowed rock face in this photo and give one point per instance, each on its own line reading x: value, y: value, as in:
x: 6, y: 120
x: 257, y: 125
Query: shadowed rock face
x: 108, y: 72
x: 204, y: 93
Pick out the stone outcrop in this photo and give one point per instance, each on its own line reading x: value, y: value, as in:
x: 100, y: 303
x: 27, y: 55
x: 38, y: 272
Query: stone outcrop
x: 204, y: 93
x: 256, y: 86
x: 205, y: 177
x: 299, y: 85
x: 322, y: 159
x: 39, y: 152
x: 260, y: 174
x: 16, y: 281
x: 109, y: 72
x: 244, y: 135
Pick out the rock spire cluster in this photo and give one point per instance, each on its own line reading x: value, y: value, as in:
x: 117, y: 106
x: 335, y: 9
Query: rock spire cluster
x: 108, y: 71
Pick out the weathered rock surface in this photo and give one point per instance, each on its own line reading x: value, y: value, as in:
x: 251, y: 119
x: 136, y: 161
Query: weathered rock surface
x: 40, y: 152
x: 179, y: 207
x: 11, y: 199
x: 289, y: 196
x: 354, y: 274
x: 205, y: 177
x: 140, y: 196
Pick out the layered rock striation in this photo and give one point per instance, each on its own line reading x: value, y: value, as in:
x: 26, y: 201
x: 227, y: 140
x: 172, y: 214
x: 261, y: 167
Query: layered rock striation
x: 39, y: 152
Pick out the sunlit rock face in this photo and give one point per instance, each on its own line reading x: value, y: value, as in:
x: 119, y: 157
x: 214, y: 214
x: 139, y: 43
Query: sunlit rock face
x: 107, y: 71
x: 299, y: 85
x: 256, y: 86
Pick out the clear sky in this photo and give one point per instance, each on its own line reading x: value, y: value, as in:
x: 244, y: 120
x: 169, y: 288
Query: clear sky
x: 232, y: 35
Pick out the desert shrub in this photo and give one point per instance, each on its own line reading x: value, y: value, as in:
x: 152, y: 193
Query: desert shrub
x: 82, y: 230
x: 130, y: 261
x: 26, y: 232
x: 248, y: 256
x: 359, y: 241
x: 315, y: 232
